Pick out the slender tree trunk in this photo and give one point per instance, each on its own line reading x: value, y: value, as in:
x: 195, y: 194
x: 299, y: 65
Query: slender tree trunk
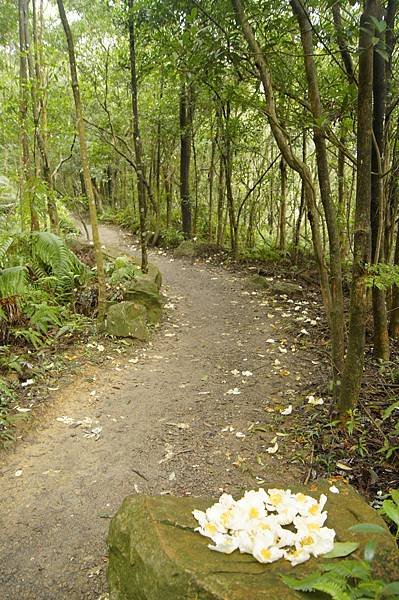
x: 301, y: 206
x: 37, y: 106
x: 25, y: 184
x: 353, y: 371
x: 185, y: 156
x: 138, y: 149
x: 394, y: 321
x: 80, y: 125
x: 221, y: 189
x: 337, y: 301
x: 283, y: 207
x: 211, y: 177
x: 378, y: 205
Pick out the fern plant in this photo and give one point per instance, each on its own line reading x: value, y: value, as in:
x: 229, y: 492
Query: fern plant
x: 345, y: 580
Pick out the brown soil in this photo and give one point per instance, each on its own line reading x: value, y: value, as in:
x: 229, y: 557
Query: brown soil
x: 162, y: 409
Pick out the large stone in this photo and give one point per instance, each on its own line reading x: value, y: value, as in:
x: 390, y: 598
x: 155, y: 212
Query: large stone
x: 275, y: 286
x: 127, y: 319
x: 258, y: 282
x: 153, y: 273
x: 154, y: 553
x: 186, y: 249
x: 286, y: 288
x: 144, y: 291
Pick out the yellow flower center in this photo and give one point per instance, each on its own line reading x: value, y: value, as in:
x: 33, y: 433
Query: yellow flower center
x: 314, y: 526
x: 266, y: 554
x: 276, y: 498
x: 307, y: 541
x: 314, y: 509
x: 211, y: 528
x: 253, y: 513
x: 224, y: 518
x: 301, y: 497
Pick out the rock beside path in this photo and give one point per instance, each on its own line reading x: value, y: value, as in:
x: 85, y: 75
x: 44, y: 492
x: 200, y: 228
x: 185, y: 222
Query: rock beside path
x: 155, y: 554
x: 127, y: 319
x: 275, y: 286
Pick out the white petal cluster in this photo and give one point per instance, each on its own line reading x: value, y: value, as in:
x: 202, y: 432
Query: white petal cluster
x: 270, y: 525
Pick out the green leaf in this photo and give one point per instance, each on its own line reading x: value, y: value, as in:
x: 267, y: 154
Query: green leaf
x: 367, y: 528
x: 369, y: 550
x: 388, y: 411
x: 391, y: 510
x: 395, y: 494
x: 392, y: 589
x: 302, y: 585
x: 341, y: 549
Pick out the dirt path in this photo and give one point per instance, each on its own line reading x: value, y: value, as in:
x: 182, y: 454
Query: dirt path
x: 162, y: 415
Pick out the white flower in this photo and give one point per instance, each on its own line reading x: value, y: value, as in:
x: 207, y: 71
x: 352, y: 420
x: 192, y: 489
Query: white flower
x: 277, y: 497
x: 315, y: 401
x: 264, y: 552
x: 286, y: 411
x: 314, y: 541
x: 333, y: 489
x: 224, y: 517
x: 296, y: 557
x: 255, y: 525
x: 224, y: 543
x: 246, y: 373
x: 312, y: 508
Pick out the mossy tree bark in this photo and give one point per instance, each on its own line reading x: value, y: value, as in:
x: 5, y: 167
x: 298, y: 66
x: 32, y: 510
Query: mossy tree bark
x: 185, y: 119
x: 138, y: 147
x: 28, y: 212
x: 80, y: 126
x: 353, y: 370
x: 323, y: 172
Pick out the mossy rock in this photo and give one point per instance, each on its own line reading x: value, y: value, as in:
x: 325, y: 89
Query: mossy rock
x: 154, y: 553
x: 186, y: 249
x: 153, y: 274
x: 258, y: 282
x: 127, y: 319
x: 145, y: 291
x: 276, y: 286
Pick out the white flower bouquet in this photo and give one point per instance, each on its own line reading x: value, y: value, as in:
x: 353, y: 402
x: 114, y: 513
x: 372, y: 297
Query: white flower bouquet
x: 270, y: 525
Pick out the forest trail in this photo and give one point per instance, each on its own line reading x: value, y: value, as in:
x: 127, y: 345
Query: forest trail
x: 162, y: 411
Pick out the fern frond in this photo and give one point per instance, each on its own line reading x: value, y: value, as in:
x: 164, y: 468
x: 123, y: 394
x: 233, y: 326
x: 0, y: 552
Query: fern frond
x: 4, y: 247
x: 354, y: 569
x: 13, y: 282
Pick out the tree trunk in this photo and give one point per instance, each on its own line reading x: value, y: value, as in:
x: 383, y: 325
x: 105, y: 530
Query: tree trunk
x: 353, y: 370
x: 211, y: 177
x: 185, y: 155
x: 283, y: 206
x: 301, y: 206
x: 25, y: 186
x: 138, y: 149
x: 221, y: 188
x: 378, y: 205
x: 80, y: 125
x: 35, y: 81
x: 337, y: 301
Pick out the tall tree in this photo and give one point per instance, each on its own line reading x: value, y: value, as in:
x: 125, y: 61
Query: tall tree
x: 353, y: 370
x: 80, y: 126
x: 138, y: 148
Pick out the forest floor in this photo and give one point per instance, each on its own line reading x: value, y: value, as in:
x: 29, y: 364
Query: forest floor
x: 195, y: 411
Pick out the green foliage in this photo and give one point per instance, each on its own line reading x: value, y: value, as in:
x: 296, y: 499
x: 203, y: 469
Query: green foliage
x: 13, y: 281
x: 345, y: 580
x: 390, y: 511
x: 382, y: 276
x: 52, y: 257
x: 171, y: 238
